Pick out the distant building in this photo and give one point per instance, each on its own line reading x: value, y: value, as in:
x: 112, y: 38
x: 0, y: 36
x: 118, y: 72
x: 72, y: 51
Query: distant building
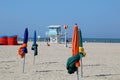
x: 54, y: 33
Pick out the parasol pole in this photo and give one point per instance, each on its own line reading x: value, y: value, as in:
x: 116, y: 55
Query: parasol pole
x: 81, y: 67
x: 65, y: 27
x: 65, y: 38
x: 23, y: 64
x: 77, y: 73
x: 34, y: 60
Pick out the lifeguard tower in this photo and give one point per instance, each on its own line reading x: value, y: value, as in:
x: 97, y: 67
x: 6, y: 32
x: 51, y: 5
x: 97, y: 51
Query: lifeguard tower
x: 54, y: 33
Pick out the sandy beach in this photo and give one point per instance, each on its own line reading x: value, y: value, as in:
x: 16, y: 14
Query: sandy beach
x: 102, y: 62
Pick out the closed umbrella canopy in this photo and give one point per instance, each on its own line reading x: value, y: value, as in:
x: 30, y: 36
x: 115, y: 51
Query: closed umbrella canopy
x: 80, y: 38
x: 81, y: 49
x: 75, y: 44
x: 34, y: 46
x: 23, y: 48
x: 73, y: 62
x: 35, y: 37
x: 77, y: 51
x: 25, y: 40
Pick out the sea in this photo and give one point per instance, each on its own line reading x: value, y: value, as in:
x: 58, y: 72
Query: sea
x: 97, y: 40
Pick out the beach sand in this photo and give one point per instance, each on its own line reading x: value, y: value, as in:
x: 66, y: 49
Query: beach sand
x: 102, y: 62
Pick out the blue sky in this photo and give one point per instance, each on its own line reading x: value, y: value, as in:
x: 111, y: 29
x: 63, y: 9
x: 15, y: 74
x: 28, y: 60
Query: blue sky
x: 96, y: 18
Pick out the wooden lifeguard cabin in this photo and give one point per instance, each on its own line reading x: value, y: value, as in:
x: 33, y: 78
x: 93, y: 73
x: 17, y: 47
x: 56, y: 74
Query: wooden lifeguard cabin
x: 54, y: 33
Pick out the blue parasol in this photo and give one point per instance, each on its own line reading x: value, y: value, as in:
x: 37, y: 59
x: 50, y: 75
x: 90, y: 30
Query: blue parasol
x: 23, y: 48
x: 34, y: 46
x: 35, y: 37
x: 25, y: 40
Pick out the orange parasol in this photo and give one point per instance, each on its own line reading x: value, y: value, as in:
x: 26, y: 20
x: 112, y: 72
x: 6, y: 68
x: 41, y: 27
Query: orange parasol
x: 77, y: 53
x: 75, y: 44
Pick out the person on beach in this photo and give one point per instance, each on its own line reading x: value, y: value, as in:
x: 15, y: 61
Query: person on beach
x: 48, y: 44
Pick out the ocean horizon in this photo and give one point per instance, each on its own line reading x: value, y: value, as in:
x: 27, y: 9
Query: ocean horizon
x: 100, y: 40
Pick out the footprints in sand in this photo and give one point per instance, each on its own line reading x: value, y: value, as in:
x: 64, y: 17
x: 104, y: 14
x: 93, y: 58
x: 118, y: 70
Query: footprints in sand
x: 7, y: 66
